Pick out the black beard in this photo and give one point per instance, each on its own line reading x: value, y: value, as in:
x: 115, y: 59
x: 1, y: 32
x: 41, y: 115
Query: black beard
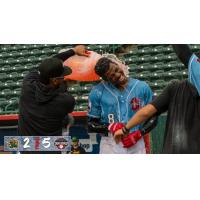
x: 120, y: 85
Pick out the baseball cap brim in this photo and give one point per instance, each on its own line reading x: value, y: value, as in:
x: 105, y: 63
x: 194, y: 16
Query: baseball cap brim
x: 67, y: 71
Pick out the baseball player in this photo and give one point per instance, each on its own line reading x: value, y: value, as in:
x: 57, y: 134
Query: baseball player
x: 115, y: 100
x: 181, y: 100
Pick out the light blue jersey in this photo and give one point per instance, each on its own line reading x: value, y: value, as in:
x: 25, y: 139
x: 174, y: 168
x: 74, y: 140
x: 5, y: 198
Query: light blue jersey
x: 112, y: 105
x: 194, y: 71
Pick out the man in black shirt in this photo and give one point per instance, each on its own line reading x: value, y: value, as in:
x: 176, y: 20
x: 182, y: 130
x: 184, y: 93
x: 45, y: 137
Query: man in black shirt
x: 43, y: 103
x: 181, y: 100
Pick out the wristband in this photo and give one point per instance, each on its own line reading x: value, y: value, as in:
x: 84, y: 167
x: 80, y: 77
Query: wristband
x: 125, y: 130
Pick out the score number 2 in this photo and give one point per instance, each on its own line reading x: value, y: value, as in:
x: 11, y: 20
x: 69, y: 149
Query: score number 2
x: 26, y: 143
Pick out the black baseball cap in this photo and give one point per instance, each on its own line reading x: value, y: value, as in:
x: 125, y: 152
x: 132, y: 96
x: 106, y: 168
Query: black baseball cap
x: 53, y: 68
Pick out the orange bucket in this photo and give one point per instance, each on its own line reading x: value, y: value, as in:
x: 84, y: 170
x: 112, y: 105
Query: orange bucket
x: 83, y: 67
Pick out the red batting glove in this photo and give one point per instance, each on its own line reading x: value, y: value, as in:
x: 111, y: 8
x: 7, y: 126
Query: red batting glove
x: 115, y: 127
x: 131, y: 139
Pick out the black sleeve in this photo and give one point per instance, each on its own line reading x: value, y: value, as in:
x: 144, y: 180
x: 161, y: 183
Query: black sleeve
x: 68, y: 102
x: 94, y: 125
x: 183, y: 52
x: 65, y: 55
x: 149, y: 125
x: 161, y: 103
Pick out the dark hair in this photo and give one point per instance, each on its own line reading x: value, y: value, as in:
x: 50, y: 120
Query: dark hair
x: 102, y: 67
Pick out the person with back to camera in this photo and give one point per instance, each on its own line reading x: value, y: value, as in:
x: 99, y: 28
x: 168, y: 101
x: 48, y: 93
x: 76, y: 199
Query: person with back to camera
x: 43, y: 102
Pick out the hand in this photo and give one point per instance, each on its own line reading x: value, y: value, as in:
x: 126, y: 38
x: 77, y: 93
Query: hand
x: 80, y: 50
x: 131, y: 139
x: 114, y: 128
x: 118, y: 136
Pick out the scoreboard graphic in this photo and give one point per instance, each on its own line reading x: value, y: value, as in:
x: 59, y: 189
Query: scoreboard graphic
x: 37, y: 143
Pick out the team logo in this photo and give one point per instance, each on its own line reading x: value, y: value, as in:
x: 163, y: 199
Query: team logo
x: 198, y: 60
x: 136, y: 103
x: 13, y: 144
x: 61, y: 143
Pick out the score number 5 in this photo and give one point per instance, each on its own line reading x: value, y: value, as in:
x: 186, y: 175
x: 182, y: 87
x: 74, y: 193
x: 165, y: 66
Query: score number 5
x: 46, y: 143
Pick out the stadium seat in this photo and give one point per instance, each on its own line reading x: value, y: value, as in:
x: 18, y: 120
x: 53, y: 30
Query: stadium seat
x: 2, y: 61
x: 74, y: 89
x: 3, y: 76
x: 158, y: 57
x: 6, y: 93
x: 86, y: 88
x: 144, y: 58
x: 4, y: 55
x: 14, y: 76
x: 12, y: 106
x: 145, y: 50
x: 9, y: 84
x: 158, y: 49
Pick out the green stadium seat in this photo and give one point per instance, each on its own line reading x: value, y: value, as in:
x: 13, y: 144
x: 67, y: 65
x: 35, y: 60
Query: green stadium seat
x: 24, y: 73
x: 42, y: 57
x: 157, y: 66
x: 144, y: 75
x: 10, y: 60
x: 24, y: 52
x: 145, y: 50
x: 6, y: 93
x: 195, y: 47
x: 12, y: 106
x: 157, y: 93
x: 14, y: 54
x: 32, y: 59
x: 168, y: 48
x: 2, y: 61
x: 46, y: 51
x: 3, y: 76
x: 74, y: 89
x: 157, y: 57
x: 9, y: 84
x: 172, y: 74
x: 171, y: 56
x: 86, y: 88
x: 144, y: 58
x: 4, y: 55
x: 36, y: 52
x: 158, y: 49
x: 132, y: 59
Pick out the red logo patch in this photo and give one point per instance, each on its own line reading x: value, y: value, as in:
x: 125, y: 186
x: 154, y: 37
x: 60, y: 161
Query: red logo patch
x: 198, y: 60
x: 136, y: 103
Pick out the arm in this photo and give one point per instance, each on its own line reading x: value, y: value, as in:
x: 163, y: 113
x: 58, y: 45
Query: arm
x: 141, y: 116
x: 183, y: 52
x: 95, y: 125
x: 157, y: 106
x: 94, y: 113
x: 151, y: 122
x: 149, y: 125
x: 65, y: 55
x: 78, y: 50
